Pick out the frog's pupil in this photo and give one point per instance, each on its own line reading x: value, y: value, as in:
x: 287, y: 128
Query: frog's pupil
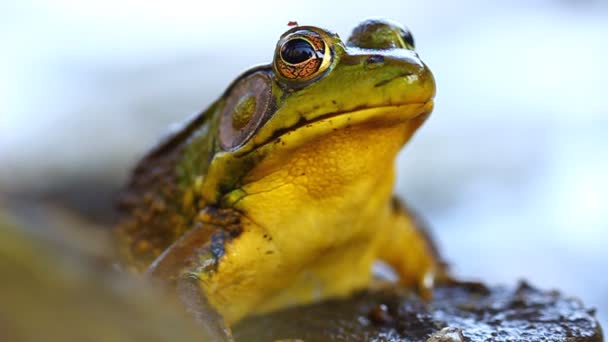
x: 297, y: 51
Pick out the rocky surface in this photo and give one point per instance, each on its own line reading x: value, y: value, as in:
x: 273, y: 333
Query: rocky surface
x: 460, y: 312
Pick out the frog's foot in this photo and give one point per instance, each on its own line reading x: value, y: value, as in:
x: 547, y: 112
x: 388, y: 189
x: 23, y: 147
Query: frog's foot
x: 439, y: 273
x: 408, y: 247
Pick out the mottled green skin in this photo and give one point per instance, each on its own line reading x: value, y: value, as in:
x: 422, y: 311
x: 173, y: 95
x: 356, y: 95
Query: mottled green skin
x: 376, y: 33
x: 153, y: 214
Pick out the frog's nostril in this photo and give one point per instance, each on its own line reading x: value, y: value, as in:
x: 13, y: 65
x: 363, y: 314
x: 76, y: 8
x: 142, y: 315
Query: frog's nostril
x: 373, y: 59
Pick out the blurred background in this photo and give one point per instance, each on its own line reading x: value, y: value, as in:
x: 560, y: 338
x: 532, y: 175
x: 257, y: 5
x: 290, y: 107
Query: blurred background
x: 511, y: 170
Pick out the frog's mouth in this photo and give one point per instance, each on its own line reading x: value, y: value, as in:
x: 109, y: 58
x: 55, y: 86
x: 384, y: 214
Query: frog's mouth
x: 414, y: 113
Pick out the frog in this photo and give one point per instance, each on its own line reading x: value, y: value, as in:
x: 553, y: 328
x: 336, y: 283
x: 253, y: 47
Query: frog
x: 280, y: 193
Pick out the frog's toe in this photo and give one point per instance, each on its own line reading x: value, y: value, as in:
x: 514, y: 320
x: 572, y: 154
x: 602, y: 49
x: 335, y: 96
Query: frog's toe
x: 426, y: 283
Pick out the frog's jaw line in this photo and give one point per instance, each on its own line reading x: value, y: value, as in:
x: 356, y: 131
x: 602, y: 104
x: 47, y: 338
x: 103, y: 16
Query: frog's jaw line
x: 325, y: 124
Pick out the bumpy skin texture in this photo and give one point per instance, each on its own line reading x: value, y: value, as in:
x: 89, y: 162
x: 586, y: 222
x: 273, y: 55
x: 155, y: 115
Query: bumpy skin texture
x: 281, y: 192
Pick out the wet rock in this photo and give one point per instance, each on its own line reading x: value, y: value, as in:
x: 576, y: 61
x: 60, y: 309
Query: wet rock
x: 458, y: 312
x: 447, y: 335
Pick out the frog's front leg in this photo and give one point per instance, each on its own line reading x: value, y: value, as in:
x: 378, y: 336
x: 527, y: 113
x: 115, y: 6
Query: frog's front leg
x: 192, y: 252
x: 226, y: 262
x: 406, y: 245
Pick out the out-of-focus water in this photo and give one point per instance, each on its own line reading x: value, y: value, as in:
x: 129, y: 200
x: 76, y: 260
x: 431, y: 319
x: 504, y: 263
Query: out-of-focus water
x: 511, y: 169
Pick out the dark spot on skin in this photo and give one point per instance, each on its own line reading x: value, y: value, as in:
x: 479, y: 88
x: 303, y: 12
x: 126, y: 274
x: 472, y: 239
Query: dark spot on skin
x: 265, y: 236
x: 224, y: 188
x: 269, y: 252
x: 373, y: 59
x: 303, y: 174
x: 381, y: 83
x: 384, y: 82
x: 217, y: 244
x: 235, y: 232
x: 334, y: 102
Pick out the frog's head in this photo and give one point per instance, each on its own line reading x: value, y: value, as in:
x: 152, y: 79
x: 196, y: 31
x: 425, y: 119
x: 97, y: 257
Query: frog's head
x: 321, y: 104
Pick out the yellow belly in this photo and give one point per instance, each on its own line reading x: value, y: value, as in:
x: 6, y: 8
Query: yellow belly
x: 241, y: 287
x: 311, y: 223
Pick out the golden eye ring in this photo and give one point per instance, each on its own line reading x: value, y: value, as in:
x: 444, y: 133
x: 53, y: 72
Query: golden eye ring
x: 302, y: 56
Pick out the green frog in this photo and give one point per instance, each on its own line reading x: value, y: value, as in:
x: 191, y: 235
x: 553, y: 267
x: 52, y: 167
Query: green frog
x: 281, y: 192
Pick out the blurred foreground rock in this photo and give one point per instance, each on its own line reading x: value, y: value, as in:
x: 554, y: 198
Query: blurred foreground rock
x: 58, y: 284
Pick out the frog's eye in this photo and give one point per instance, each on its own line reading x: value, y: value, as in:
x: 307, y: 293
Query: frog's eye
x: 246, y: 107
x: 301, y: 56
